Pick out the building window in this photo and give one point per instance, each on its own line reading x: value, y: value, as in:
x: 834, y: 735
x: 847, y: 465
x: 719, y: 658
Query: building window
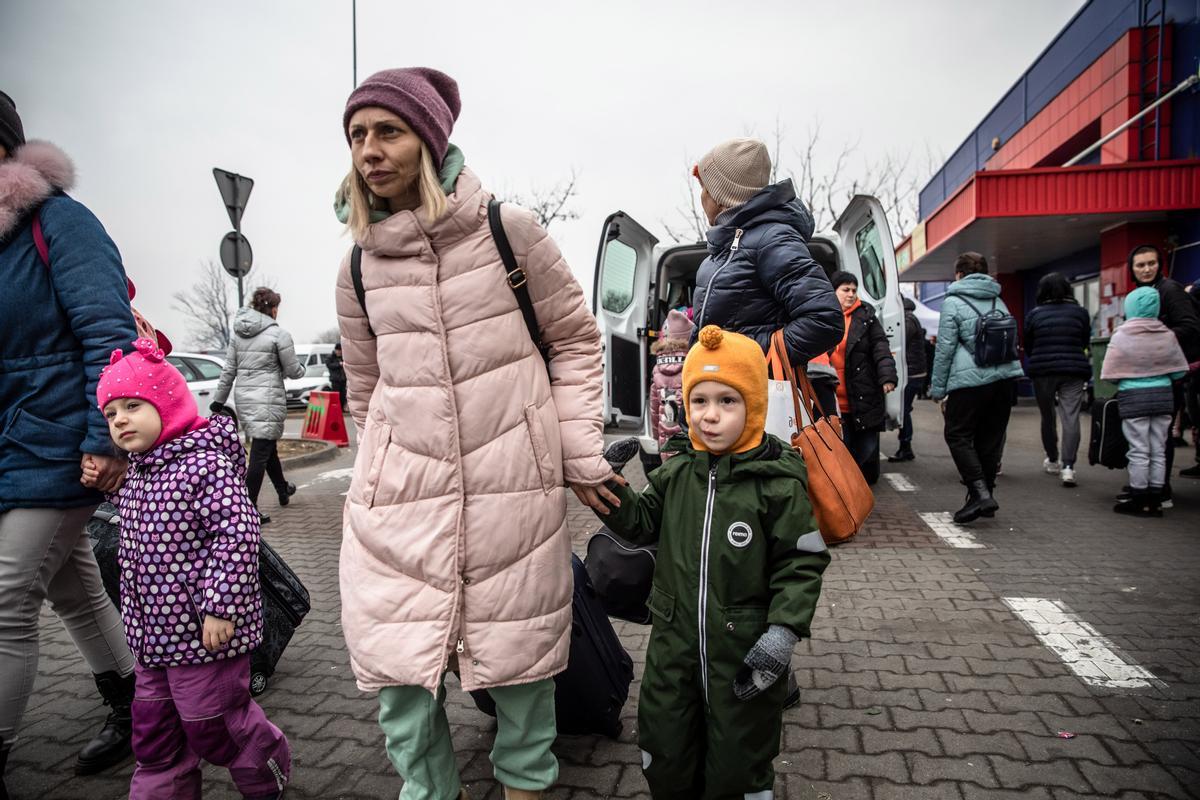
x: 1087, y: 294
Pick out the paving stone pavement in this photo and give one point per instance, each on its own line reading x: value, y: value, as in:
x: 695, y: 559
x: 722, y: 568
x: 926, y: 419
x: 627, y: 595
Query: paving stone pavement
x: 919, y: 681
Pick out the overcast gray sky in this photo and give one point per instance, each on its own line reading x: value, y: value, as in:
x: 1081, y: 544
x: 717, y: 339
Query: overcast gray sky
x: 148, y: 96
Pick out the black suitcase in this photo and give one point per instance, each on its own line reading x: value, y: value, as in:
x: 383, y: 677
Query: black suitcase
x: 1108, y: 447
x: 589, y: 694
x: 285, y: 600
x: 285, y: 603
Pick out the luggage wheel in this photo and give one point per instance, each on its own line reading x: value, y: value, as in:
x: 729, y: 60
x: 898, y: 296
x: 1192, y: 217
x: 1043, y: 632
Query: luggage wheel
x: 258, y: 683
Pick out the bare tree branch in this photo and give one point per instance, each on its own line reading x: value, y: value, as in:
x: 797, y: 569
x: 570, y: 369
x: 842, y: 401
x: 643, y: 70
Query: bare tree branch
x: 692, y: 225
x: 551, y: 205
x: 328, y: 336
x: 209, y: 305
x: 892, y: 179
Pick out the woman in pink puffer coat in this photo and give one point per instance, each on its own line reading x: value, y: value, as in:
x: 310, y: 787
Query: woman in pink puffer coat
x: 456, y: 551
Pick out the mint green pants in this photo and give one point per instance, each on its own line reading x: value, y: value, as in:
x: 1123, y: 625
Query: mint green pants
x: 418, y: 739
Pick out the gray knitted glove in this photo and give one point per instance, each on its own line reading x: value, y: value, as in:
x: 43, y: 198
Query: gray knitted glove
x: 766, y: 662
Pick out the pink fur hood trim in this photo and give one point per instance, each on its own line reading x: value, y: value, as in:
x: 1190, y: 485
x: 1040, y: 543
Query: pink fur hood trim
x: 34, y: 172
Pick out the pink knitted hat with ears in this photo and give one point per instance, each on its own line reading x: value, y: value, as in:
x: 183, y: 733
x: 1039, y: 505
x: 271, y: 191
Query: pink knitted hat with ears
x: 145, y: 374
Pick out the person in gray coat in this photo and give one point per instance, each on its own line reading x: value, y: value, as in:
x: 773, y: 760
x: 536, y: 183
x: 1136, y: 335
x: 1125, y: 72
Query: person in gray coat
x: 261, y: 355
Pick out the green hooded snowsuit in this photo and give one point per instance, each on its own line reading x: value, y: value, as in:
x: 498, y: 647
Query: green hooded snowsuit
x: 738, y: 550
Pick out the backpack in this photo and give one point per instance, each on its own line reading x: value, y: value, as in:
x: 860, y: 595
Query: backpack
x: 144, y: 329
x: 516, y: 279
x: 995, y: 336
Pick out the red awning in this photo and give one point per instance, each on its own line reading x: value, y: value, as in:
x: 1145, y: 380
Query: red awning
x: 1024, y: 218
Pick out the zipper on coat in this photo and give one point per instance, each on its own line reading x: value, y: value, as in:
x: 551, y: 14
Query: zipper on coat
x: 737, y: 242
x: 702, y: 604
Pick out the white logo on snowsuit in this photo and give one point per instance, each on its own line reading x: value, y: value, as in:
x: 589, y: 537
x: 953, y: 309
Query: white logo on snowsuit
x: 739, y: 534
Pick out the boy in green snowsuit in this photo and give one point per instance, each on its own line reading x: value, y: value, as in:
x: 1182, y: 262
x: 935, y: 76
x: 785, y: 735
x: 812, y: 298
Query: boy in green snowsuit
x: 737, y: 580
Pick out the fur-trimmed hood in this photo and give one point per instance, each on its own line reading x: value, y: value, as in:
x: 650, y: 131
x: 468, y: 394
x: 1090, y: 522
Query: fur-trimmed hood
x: 671, y: 345
x: 34, y: 172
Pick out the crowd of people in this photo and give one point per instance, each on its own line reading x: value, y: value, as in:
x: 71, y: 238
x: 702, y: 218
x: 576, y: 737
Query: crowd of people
x: 472, y: 414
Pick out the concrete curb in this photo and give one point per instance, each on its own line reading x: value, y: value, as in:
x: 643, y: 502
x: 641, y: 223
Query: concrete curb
x: 328, y: 452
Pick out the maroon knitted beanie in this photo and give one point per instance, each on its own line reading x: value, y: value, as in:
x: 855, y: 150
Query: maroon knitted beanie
x: 424, y: 98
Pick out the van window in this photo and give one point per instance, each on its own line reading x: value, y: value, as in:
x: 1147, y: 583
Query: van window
x: 314, y: 358
x: 870, y: 258
x: 620, y: 266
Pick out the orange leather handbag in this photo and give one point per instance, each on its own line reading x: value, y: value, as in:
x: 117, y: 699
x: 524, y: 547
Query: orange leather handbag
x: 840, y: 496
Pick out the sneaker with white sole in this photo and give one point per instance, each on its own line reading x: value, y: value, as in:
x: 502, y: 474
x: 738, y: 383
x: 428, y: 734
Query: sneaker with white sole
x: 1051, y: 467
x: 1068, y: 477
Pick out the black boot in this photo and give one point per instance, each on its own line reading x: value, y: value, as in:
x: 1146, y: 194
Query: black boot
x: 990, y: 511
x: 4, y: 748
x: 285, y: 496
x: 979, y: 502
x: 111, y: 745
x: 1138, y: 503
x: 1154, y: 501
x: 905, y: 453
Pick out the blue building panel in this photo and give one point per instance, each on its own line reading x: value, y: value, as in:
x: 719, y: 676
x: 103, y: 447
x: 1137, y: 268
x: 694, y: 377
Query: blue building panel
x: 1085, y: 38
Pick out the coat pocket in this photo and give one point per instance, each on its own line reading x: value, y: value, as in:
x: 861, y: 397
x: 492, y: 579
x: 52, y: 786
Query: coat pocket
x: 51, y: 441
x: 375, y: 472
x: 541, y: 450
x: 661, y: 604
x: 745, y: 623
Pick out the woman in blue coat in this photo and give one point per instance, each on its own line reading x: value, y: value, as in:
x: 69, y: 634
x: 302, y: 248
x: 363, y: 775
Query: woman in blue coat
x: 978, y: 399
x: 62, y: 316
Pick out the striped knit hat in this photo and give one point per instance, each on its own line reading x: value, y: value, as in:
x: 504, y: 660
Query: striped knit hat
x: 734, y: 171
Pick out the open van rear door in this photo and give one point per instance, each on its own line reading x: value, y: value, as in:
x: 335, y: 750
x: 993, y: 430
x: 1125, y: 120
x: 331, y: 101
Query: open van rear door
x: 621, y: 303
x: 866, y: 245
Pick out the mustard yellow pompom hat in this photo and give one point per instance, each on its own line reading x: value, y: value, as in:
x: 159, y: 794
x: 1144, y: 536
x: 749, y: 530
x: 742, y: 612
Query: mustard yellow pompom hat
x: 738, y: 362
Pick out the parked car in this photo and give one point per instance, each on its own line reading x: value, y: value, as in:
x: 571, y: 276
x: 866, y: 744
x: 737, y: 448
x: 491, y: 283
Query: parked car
x: 638, y: 281
x: 316, y: 374
x: 202, y: 373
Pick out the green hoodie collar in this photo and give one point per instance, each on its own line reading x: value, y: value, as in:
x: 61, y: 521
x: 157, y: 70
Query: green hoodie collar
x: 452, y: 167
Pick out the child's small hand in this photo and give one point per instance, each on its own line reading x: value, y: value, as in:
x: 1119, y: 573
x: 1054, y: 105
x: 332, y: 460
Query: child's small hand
x: 766, y: 662
x: 91, y: 472
x: 217, y: 633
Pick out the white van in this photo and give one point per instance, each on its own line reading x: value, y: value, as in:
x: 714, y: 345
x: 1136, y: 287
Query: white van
x: 639, y: 280
x: 315, y: 377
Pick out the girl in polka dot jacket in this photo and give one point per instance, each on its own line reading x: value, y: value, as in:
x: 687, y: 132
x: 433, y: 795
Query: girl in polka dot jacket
x: 189, y: 586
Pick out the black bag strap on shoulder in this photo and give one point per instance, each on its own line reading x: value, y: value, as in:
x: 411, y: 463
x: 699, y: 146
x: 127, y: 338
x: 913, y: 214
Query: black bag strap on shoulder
x: 975, y: 308
x: 517, y: 280
x: 359, y: 289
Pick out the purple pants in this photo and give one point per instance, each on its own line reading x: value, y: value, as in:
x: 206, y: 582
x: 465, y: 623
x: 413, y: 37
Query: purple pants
x: 184, y: 714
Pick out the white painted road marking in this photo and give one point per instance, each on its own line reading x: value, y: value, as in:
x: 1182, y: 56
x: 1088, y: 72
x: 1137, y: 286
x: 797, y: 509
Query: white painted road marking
x: 1088, y: 654
x: 942, y: 523
x: 899, y: 482
x: 331, y: 475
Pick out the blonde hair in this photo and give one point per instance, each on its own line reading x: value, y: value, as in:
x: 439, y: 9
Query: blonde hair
x: 363, y: 201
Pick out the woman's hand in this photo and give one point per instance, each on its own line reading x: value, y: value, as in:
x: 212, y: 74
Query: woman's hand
x: 591, y: 496
x: 217, y: 633
x: 888, y: 388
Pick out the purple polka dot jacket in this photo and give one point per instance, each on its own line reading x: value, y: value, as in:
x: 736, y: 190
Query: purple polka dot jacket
x: 189, y: 547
